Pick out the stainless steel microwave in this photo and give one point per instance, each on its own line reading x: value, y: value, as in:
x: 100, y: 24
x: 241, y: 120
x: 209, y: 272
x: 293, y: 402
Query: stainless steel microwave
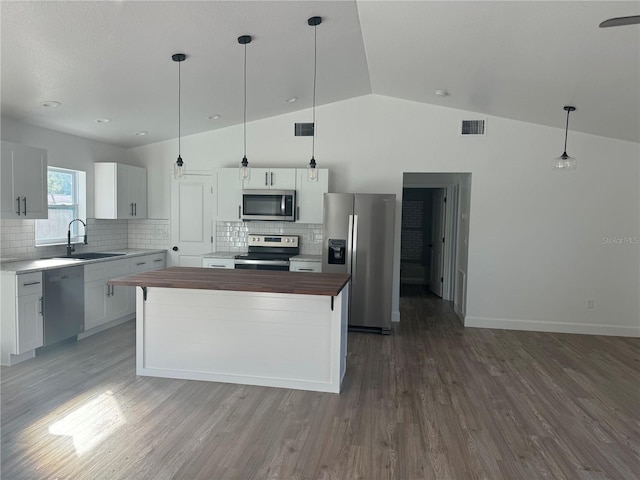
x: 270, y: 205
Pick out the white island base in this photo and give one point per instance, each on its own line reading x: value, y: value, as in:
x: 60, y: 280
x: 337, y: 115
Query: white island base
x: 253, y: 338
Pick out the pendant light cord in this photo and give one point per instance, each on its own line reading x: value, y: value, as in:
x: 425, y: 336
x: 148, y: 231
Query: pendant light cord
x: 245, y: 101
x: 566, y: 130
x: 179, y: 103
x: 315, y: 61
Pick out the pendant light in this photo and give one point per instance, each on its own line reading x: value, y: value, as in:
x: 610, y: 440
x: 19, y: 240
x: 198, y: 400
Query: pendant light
x: 244, y: 164
x: 179, y: 169
x: 312, y: 172
x: 564, y: 161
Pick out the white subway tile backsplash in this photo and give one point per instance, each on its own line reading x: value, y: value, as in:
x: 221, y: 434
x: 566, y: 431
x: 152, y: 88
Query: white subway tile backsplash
x: 232, y: 236
x: 17, y: 237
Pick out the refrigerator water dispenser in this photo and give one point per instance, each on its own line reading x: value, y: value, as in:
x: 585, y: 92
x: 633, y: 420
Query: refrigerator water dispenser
x: 337, y: 251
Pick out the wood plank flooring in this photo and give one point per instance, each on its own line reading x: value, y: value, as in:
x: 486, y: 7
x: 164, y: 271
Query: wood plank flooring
x: 431, y: 401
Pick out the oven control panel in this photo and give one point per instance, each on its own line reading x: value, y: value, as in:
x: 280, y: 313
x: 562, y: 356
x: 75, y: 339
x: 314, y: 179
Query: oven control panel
x: 272, y: 240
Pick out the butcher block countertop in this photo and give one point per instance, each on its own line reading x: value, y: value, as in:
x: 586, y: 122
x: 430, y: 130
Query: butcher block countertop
x: 301, y: 283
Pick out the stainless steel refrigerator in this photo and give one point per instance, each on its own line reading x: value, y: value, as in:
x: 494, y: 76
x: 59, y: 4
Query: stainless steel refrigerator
x: 358, y: 239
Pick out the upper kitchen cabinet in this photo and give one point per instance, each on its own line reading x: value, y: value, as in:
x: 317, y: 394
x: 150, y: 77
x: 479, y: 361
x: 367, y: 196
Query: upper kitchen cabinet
x: 23, y: 188
x: 271, y: 179
x: 120, y: 191
x: 310, y: 196
x: 228, y: 194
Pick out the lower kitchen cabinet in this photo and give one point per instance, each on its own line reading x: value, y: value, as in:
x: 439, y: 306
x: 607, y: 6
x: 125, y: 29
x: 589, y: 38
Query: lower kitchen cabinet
x: 211, y: 262
x: 303, y: 266
x: 104, y: 303
x: 21, y: 325
x: 143, y: 264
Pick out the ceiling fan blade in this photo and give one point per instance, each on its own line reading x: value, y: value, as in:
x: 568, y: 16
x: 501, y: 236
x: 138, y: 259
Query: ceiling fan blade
x: 619, y: 21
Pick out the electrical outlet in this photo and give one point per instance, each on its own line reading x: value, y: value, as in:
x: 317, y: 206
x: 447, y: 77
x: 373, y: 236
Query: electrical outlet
x: 590, y: 303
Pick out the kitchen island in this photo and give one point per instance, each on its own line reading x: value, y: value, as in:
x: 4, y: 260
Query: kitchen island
x: 270, y: 328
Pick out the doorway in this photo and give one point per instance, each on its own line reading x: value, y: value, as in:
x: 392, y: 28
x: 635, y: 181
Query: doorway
x: 434, y: 236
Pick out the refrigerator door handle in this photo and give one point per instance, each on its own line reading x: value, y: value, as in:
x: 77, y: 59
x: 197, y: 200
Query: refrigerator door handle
x: 354, y: 250
x: 349, y: 245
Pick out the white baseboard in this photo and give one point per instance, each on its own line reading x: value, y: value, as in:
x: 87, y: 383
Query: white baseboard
x: 554, y: 327
x: 395, y: 316
x: 100, y: 328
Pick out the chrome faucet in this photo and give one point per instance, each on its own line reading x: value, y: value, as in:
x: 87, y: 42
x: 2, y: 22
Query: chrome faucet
x: 69, y: 247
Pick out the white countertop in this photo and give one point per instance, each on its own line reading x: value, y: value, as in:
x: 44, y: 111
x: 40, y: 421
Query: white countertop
x: 297, y: 258
x: 222, y: 254
x: 34, y: 265
x: 307, y: 258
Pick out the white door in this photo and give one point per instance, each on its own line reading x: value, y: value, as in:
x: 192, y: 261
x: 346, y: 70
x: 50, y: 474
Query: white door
x: 437, y: 242
x: 191, y: 219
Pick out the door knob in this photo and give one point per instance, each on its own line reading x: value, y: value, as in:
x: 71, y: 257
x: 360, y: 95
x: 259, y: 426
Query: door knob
x: 175, y: 249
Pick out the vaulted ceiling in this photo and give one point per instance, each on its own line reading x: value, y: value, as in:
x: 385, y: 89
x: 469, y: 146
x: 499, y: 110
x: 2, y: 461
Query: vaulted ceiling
x: 519, y: 60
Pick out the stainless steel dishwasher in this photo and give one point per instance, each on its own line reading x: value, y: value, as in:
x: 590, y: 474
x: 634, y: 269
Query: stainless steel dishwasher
x: 63, y: 303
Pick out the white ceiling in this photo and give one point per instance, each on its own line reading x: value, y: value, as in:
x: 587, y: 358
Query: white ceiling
x: 520, y: 60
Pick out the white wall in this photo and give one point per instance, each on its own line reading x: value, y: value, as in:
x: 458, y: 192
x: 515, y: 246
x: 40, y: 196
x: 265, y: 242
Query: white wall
x: 63, y: 150
x: 537, y: 238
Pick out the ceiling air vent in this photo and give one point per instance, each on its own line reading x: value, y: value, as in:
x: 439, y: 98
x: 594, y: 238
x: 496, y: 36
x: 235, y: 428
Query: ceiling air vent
x: 472, y: 127
x: 304, y: 129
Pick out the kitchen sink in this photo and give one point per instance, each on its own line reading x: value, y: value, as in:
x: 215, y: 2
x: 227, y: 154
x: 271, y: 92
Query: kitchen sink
x: 91, y: 255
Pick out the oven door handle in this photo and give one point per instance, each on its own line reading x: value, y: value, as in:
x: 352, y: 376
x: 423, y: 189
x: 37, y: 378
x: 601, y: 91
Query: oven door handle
x: 277, y: 263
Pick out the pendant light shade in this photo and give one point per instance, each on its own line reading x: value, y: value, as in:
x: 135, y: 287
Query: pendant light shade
x: 245, y: 172
x: 179, y: 169
x: 312, y: 172
x: 564, y: 161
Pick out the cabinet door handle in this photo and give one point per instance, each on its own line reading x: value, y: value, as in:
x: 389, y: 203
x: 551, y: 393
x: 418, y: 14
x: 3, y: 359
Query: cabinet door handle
x: 239, y: 212
x: 297, y: 213
x: 141, y: 263
x: 30, y: 283
x: 135, y: 209
x: 41, y: 305
x: 18, y: 202
x: 131, y: 209
x: 272, y: 179
x: 266, y: 179
x: 306, y: 269
x: 108, y: 290
x: 217, y: 266
x: 158, y: 260
x: 24, y: 203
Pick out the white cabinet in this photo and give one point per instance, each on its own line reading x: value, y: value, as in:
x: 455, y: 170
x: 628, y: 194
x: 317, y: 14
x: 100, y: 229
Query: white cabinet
x: 271, y: 179
x: 310, y: 196
x: 104, y: 303
x: 22, y: 327
x: 140, y: 264
x: 228, y: 195
x: 23, y: 177
x: 211, y: 262
x: 120, y: 191
x: 304, y: 266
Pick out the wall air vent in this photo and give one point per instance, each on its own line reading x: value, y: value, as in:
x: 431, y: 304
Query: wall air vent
x: 473, y: 128
x: 303, y: 129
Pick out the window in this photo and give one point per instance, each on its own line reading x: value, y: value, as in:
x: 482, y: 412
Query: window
x: 66, y: 194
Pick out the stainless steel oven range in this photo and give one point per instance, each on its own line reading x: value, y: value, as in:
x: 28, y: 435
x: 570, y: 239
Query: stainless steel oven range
x: 268, y: 252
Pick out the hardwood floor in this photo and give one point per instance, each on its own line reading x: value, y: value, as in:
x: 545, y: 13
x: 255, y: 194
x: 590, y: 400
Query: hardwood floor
x: 433, y: 400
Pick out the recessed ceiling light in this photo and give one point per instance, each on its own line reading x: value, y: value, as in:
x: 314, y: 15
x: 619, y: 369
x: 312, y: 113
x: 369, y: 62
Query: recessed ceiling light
x: 51, y: 104
x: 441, y: 93
x: 292, y: 99
x: 103, y: 120
x: 214, y: 117
x: 141, y: 133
